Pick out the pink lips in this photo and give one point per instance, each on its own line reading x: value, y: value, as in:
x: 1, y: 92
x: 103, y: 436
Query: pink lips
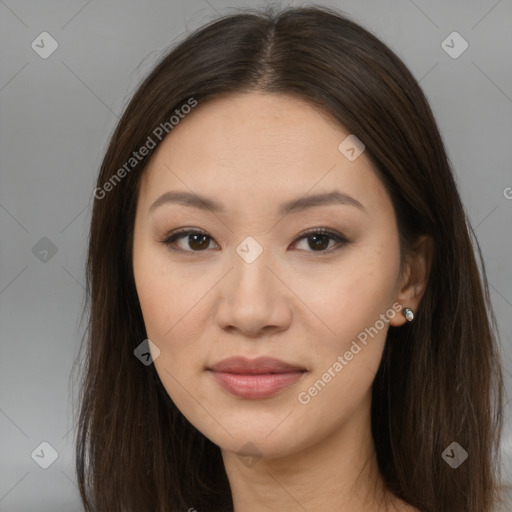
x: 255, y: 378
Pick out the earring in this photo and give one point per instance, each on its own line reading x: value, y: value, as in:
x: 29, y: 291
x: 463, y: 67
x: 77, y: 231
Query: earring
x: 408, y: 313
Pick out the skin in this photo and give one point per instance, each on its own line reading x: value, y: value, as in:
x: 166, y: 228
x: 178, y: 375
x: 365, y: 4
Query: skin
x: 251, y: 152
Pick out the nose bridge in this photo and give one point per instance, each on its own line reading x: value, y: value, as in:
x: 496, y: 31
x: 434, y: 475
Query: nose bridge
x: 253, y: 298
x: 252, y: 279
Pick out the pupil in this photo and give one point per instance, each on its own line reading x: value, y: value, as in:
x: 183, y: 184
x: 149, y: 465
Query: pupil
x: 324, y: 243
x: 199, y: 245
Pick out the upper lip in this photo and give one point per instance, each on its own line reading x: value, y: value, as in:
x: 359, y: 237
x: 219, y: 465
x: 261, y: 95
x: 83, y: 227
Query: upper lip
x: 256, y: 366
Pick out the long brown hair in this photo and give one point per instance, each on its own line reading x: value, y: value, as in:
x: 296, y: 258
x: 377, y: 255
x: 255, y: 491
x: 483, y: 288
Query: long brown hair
x: 440, y: 379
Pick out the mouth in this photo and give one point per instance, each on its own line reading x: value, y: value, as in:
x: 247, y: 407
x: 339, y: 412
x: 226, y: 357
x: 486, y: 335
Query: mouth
x: 257, y: 378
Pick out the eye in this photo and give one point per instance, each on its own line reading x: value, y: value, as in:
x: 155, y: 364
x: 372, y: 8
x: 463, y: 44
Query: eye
x: 320, y: 238
x: 197, y: 240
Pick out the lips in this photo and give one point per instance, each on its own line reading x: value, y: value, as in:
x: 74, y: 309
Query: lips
x: 258, y: 366
x: 255, y: 378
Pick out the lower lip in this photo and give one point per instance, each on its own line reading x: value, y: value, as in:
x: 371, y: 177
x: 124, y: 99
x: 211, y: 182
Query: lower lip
x: 256, y: 386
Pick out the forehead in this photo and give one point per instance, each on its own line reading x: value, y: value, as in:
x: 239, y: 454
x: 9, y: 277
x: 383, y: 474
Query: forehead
x: 258, y: 145
x: 274, y: 128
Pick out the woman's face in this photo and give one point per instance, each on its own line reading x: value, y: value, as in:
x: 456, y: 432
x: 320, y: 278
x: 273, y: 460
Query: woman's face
x: 258, y: 280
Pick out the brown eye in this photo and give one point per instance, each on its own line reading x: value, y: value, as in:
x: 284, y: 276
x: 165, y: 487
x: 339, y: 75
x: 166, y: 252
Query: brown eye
x: 197, y: 240
x: 319, y: 240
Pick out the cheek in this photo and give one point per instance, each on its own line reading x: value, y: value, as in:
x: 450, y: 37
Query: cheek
x: 350, y: 297
x: 153, y: 293
x: 165, y: 300
x: 355, y: 305
x: 159, y: 292
x: 175, y: 307
x: 162, y: 289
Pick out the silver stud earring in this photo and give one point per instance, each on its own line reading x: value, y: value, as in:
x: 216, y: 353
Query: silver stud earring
x: 409, y: 314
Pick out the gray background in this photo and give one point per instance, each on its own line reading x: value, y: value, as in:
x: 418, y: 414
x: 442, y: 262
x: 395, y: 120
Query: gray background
x: 56, y: 117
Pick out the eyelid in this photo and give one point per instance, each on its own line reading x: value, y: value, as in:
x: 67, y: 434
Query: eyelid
x: 183, y: 232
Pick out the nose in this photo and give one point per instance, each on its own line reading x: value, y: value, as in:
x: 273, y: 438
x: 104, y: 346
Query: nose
x: 253, y: 299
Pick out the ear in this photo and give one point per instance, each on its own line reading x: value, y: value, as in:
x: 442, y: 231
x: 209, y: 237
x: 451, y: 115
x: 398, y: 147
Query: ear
x: 414, y: 278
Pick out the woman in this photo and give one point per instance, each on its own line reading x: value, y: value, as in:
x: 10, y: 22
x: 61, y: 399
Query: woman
x: 286, y: 308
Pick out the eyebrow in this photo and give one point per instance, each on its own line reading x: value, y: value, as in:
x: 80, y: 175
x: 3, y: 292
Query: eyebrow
x: 206, y: 203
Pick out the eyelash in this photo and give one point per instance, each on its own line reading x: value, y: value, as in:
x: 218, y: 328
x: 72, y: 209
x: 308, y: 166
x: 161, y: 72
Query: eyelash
x: 337, y: 237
